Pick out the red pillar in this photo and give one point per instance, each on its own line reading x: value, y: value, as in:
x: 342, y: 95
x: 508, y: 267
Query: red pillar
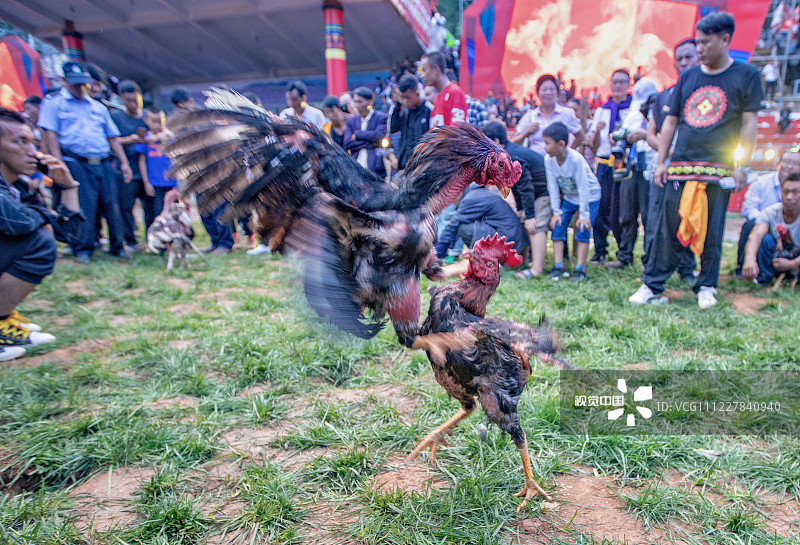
x: 72, y: 41
x: 335, y: 58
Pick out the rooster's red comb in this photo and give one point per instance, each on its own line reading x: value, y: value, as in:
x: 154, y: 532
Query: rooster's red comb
x: 509, y: 256
x: 781, y: 229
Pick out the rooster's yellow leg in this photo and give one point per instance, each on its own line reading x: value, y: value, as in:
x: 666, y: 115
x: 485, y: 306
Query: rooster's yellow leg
x: 436, y: 437
x: 531, y: 486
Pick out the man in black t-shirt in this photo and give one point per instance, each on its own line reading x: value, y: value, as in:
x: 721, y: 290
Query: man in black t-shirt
x: 685, y: 57
x: 131, y: 125
x: 714, y: 107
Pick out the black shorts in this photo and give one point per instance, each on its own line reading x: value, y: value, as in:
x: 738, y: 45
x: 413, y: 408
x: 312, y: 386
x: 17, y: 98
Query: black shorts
x: 29, y: 257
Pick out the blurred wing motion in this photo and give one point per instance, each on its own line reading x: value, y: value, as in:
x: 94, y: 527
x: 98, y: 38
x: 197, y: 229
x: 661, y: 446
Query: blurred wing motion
x: 364, y: 242
x: 495, y: 369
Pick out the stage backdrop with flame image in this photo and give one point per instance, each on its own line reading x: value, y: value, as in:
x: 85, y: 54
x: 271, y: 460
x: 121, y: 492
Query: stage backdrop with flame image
x: 507, y: 44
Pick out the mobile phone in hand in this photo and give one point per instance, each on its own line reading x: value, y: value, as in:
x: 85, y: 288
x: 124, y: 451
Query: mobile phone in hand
x: 41, y: 167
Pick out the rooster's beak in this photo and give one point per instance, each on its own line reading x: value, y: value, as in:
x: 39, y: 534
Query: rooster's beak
x: 505, y: 191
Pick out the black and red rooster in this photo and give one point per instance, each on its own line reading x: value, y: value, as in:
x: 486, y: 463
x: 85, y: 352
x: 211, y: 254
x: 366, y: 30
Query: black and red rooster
x: 494, y: 369
x: 363, y: 242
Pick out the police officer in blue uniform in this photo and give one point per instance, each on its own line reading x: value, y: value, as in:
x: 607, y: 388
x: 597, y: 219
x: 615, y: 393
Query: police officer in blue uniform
x: 79, y: 129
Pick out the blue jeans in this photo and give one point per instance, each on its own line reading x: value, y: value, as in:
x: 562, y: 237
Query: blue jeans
x: 221, y: 235
x: 766, y: 252
x: 568, y: 209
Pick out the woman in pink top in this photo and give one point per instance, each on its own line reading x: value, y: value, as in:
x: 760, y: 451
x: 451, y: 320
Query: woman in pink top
x: 533, y: 123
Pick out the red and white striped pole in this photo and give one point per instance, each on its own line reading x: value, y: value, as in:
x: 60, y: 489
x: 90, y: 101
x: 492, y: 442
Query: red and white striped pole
x: 335, y: 57
x: 72, y: 41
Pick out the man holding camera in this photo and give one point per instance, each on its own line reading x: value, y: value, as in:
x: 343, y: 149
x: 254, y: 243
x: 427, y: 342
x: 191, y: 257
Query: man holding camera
x: 607, y: 119
x: 715, y: 106
x: 631, y: 147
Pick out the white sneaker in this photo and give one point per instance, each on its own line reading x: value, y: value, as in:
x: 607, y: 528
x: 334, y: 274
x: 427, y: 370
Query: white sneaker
x: 705, y: 297
x: 11, y: 352
x: 38, y: 337
x: 645, y: 295
x: 259, y: 250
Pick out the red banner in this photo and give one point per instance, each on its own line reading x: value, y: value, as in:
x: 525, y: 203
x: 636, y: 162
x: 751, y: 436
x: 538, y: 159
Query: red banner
x: 417, y: 14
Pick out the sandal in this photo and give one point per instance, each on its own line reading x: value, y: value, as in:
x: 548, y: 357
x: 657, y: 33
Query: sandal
x: 525, y: 274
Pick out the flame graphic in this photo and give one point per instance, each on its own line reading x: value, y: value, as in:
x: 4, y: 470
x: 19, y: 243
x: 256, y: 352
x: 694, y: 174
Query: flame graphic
x: 588, y: 39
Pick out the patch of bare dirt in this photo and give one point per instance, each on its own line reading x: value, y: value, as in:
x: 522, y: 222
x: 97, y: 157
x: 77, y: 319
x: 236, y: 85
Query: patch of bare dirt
x: 241, y: 535
x: 62, y: 321
x: 128, y: 374
x: 587, y: 504
x: 135, y: 292
x: 324, y: 524
x: 638, y: 366
x: 38, y: 304
x: 66, y: 354
x: 180, y: 283
x: 254, y: 390
x: 119, y: 321
x: 177, y: 401
x: 182, y: 344
x: 97, y: 303
x: 779, y: 513
x: 391, y: 394
x: 103, y: 501
x: 782, y: 515
x: 184, y: 309
x: 267, y: 292
x: 747, y: 304
x: 409, y: 476
x: 674, y: 295
x: 78, y: 287
x: 253, y: 442
x: 222, y: 297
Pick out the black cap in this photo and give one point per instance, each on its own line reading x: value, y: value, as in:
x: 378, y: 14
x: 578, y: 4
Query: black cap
x: 76, y: 72
x: 180, y: 95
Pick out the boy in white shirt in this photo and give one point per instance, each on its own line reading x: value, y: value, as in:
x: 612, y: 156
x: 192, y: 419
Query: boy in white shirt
x: 573, y: 188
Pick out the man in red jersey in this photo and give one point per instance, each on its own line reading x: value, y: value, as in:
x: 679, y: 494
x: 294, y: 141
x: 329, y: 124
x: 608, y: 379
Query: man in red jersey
x: 450, y: 104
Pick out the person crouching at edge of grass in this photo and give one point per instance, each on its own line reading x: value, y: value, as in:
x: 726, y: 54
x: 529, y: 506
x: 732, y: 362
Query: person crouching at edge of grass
x: 28, y: 229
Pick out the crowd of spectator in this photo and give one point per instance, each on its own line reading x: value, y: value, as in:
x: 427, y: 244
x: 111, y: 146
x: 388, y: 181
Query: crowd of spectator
x: 614, y: 167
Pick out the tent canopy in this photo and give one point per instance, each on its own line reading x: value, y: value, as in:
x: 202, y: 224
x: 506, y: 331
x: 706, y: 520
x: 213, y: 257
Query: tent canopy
x: 170, y: 42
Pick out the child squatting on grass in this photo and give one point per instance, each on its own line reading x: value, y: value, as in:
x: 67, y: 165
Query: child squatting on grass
x: 573, y: 187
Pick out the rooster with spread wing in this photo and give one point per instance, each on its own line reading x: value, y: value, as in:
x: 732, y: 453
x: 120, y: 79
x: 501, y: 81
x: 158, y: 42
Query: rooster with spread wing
x: 495, y: 369
x: 364, y: 242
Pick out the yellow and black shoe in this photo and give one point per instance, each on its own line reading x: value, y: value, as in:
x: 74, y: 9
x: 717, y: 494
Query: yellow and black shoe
x: 13, y: 333
x: 24, y: 322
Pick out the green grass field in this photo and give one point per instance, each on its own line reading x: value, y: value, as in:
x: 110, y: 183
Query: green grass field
x: 209, y: 406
